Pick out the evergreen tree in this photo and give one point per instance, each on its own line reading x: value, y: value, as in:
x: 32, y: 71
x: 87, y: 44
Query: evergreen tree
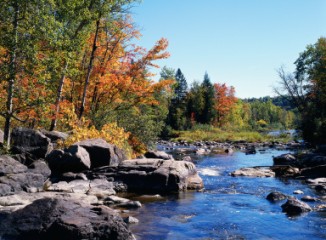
x: 177, y: 110
x: 208, y: 93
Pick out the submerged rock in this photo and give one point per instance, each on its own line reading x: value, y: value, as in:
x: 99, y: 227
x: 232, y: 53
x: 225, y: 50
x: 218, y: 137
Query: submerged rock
x: 294, y: 206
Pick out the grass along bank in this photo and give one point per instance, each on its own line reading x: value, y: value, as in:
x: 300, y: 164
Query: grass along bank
x: 219, y: 135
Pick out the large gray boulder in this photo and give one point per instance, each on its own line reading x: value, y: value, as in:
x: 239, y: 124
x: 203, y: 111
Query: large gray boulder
x: 16, y: 177
x: 102, y: 153
x: 156, y: 175
x: 9, y: 165
x: 30, y: 141
x: 74, y: 159
x: 51, y: 218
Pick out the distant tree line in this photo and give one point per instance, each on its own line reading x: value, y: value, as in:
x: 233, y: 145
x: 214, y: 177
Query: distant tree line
x: 215, y: 104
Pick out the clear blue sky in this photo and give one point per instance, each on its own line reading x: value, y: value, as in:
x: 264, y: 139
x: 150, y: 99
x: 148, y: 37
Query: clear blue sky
x: 238, y: 42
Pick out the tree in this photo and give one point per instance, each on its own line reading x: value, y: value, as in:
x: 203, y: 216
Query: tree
x: 208, y: 94
x: 306, y: 88
x: 20, y: 26
x: 177, y: 110
x: 224, y: 102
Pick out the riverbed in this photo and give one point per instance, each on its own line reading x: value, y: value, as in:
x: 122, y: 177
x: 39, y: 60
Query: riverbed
x: 230, y: 207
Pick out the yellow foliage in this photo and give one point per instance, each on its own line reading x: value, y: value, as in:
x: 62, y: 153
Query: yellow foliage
x: 110, y: 133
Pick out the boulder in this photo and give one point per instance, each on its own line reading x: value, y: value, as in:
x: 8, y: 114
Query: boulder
x: 294, y: 206
x: 285, y: 171
x: 23, y: 181
x: 254, y: 172
x: 309, y: 199
x: 131, y: 220
x: 55, y: 136
x: 276, y: 196
x: 158, y: 154
x: 229, y: 151
x: 40, y: 167
x: 51, y: 218
x: 121, y: 202
x: 30, y: 141
x: 314, y: 172
x: 285, y: 159
x: 102, y: 153
x: 155, y: 175
x: 74, y: 159
x: 16, y: 177
x: 9, y: 165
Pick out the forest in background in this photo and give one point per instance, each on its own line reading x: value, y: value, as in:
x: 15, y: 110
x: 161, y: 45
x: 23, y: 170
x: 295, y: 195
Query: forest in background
x: 74, y: 66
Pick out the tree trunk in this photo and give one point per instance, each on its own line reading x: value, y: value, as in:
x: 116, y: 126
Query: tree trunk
x: 89, y: 71
x: 12, y: 77
x: 58, y: 99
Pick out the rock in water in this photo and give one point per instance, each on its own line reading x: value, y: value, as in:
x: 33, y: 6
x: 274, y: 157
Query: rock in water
x: 102, y: 153
x: 294, y: 206
x: 30, y: 141
x: 285, y: 159
x: 276, y: 196
x: 254, y: 172
x: 65, y: 220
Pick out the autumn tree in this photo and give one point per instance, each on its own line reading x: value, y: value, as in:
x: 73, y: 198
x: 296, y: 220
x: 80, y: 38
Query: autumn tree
x: 224, y: 102
x: 22, y: 74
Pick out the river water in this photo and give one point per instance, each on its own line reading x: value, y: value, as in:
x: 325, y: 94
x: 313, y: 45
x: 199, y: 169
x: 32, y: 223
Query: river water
x: 230, y: 207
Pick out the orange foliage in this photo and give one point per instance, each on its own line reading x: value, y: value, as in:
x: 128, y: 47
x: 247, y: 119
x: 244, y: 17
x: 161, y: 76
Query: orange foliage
x: 224, y: 102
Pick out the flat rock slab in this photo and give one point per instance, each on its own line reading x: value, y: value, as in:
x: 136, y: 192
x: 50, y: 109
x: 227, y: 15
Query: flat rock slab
x: 254, y: 172
x: 20, y: 200
x: 97, y: 187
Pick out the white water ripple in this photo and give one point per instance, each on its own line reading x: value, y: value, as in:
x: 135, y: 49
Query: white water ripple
x: 209, y: 172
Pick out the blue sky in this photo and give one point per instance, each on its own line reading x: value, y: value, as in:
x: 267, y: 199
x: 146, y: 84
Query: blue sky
x: 238, y: 42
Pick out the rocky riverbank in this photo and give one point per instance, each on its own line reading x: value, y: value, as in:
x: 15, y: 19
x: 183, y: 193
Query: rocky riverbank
x: 72, y: 193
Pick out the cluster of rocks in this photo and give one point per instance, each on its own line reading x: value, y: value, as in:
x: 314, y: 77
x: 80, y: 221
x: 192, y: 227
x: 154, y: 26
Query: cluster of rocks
x: 184, y: 148
x: 309, y: 167
x: 47, y: 193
